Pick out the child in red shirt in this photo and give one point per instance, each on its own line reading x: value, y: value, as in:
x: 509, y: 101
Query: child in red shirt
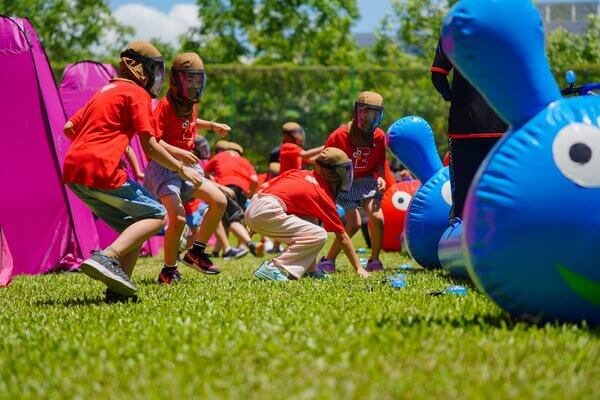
x: 291, y: 152
x: 237, y: 178
x: 276, y: 209
x: 365, y: 144
x: 176, y: 117
x: 100, y: 133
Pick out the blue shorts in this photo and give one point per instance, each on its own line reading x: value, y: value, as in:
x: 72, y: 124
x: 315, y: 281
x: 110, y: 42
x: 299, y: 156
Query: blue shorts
x: 161, y: 181
x: 120, y: 207
x: 362, y: 190
x: 195, y: 219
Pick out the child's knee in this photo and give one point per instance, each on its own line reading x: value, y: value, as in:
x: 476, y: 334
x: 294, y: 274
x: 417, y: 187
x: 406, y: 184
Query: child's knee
x: 178, y: 221
x: 377, y: 217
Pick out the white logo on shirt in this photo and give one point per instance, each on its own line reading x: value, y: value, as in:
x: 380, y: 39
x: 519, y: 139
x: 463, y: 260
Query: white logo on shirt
x: 185, y: 124
x: 311, y: 179
x: 108, y: 87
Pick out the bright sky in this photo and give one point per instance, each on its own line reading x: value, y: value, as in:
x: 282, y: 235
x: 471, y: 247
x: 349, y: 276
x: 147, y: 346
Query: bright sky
x: 167, y: 19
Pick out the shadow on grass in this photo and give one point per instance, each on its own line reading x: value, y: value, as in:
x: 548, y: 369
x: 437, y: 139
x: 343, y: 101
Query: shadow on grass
x: 72, y: 302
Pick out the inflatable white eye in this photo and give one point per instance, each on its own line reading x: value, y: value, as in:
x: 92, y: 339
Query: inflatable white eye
x: 447, y: 193
x: 576, y: 152
x: 401, y: 200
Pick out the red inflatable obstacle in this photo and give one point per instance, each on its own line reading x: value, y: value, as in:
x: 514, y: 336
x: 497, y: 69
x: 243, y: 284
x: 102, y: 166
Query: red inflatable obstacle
x: 394, y: 205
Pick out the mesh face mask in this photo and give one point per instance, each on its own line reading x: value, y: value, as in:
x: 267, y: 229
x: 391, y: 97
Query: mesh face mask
x: 191, y: 82
x: 367, y: 117
x: 154, y: 69
x: 343, y: 172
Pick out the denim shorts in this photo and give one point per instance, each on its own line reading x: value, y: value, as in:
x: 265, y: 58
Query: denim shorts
x: 361, y: 190
x: 120, y: 207
x: 161, y: 181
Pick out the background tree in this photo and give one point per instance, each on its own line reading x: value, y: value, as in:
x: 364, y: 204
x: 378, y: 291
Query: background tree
x: 69, y: 29
x: 302, y: 32
x: 567, y: 50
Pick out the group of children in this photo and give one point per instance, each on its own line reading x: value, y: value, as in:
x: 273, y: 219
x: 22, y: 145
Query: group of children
x: 297, y: 207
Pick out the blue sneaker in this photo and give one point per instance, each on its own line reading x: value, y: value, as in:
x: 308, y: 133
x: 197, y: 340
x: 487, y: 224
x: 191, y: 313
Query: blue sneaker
x: 268, y: 272
x: 234, y: 253
x: 317, y: 274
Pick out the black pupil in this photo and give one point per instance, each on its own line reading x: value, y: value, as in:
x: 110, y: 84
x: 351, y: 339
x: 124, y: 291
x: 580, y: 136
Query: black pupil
x: 580, y: 153
x: 400, y: 200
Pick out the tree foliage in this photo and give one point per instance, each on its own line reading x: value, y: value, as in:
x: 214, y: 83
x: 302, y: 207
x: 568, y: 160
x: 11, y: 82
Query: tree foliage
x: 302, y: 32
x: 69, y: 29
x: 567, y: 50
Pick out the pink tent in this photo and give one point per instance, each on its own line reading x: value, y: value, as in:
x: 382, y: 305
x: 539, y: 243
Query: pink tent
x: 79, y: 82
x: 45, y: 226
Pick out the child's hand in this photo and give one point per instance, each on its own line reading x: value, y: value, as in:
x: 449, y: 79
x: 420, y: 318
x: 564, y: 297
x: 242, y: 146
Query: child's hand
x: 220, y: 129
x: 381, y: 185
x: 362, y: 272
x: 191, y: 175
x: 139, y: 176
x: 187, y: 157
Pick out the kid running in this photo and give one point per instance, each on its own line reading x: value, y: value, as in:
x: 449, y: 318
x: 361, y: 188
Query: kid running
x: 100, y: 133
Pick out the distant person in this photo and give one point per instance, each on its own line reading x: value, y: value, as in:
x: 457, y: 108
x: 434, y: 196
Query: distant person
x: 473, y: 128
x: 276, y: 209
x: 291, y: 153
x: 100, y: 132
x: 365, y: 144
x: 237, y: 178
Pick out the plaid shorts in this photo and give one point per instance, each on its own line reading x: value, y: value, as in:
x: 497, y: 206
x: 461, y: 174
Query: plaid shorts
x: 362, y: 190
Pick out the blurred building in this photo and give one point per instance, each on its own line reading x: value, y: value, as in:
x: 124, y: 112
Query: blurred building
x: 571, y: 15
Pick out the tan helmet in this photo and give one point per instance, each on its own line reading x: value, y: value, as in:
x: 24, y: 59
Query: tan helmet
x: 293, y: 131
x: 143, y: 64
x: 334, y: 166
x: 367, y: 115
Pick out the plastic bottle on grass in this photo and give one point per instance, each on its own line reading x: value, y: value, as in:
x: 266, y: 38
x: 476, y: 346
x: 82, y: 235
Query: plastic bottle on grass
x: 405, y: 267
x: 363, y: 262
x: 397, y: 281
x: 456, y: 290
x: 362, y: 250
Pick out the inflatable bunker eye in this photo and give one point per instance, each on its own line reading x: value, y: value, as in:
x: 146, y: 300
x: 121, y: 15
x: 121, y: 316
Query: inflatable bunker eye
x: 395, y: 203
x: 531, y: 223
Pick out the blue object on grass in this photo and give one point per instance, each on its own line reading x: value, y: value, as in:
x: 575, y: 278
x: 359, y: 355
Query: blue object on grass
x: 531, y: 223
x: 456, y: 290
x: 362, y: 250
x: 364, y: 262
x: 405, y: 267
x: 411, y: 140
x: 397, y: 281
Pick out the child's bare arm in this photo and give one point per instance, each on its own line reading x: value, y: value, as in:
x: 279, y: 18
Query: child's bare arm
x: 159, y: 154
x: 310, y: 155
x: 381, y: 184
x: 220, y: 129
x: 187, y: 157
x: 253, y: 184
x: 135, y: 165
x: 350, y: 252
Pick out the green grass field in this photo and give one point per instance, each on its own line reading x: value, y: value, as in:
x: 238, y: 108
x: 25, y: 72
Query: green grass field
x: 231, y: 336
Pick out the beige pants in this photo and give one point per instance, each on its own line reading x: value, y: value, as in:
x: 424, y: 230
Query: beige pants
x: 266, y: 215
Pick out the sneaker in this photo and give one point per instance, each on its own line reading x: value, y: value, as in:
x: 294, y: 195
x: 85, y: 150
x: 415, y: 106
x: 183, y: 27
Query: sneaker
x: 234, y: 253
x: 267, y: 271
x: 215, y: 254
x: 169, y: 276
x: 257, y: 249
x: 317, y: 274
x: 374, y: 265
x: 111, y: 297
x: 107, y: 270
x: 326, y: 265
x: 201, y: 262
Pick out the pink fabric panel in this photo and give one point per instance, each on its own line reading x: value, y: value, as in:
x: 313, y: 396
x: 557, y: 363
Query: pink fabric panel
x: 6, y: 261
x: 33, y: 206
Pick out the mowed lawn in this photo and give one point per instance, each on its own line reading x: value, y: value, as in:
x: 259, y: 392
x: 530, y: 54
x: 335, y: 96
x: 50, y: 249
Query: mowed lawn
x: 231, y: 336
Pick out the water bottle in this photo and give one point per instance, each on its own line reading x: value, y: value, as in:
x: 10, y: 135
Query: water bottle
x: 364, y: 262
x: 456, y: 290
x: 397, y: 281
x: 405, y: 267
x: 362, y: 250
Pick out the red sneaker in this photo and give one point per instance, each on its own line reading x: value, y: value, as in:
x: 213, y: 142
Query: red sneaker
x: 201, y: 262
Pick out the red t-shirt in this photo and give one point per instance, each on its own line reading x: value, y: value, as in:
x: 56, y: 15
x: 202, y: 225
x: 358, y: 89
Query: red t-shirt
x: 365, y: 160
x: 289, y: 157
x: 178, y: 132
x: 306, y: 193
x: 102, y: 131
x: 229, y: 168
